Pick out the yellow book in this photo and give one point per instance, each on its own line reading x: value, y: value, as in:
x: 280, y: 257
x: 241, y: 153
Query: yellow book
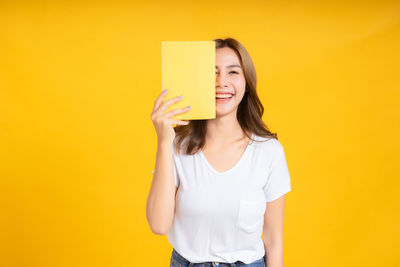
x: 188, y: 69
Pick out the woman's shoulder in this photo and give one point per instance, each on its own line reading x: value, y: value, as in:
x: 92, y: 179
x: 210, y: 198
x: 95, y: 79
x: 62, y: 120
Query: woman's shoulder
x: 182, y: 146
x: 269, y: 145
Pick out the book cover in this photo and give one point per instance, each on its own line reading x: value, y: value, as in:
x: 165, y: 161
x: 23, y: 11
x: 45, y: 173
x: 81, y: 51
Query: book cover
x: 188, y: 69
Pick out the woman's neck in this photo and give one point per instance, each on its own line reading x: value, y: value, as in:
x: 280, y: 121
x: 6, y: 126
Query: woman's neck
x: 224, y: 130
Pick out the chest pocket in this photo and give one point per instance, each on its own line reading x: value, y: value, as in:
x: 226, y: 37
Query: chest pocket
x: 251, y: 215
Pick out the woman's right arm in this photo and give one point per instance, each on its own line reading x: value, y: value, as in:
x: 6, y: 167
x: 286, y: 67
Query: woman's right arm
x: 160, y: 206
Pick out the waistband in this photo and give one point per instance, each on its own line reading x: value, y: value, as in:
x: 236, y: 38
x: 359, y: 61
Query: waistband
x: 182, y: 260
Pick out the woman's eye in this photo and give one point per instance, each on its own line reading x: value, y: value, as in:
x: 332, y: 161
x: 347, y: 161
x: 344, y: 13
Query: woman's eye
x: 229, y: 72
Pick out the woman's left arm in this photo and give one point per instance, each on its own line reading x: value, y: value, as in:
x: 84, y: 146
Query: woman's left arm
x: 273, y: 232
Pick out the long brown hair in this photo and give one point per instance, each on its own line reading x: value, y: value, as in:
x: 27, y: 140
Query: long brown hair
x: 249, y: 112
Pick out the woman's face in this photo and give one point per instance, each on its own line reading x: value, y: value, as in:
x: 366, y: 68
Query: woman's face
x: 229, y: 78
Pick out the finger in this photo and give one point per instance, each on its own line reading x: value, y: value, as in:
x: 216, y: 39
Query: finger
x: 176, y: 111
x: 159, y: 100
x: 178, y: 122
x: 164, y: 105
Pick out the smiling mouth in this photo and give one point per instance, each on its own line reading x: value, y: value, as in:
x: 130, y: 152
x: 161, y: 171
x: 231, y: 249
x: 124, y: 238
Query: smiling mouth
x: 225, y: 96
x: 223, y: 99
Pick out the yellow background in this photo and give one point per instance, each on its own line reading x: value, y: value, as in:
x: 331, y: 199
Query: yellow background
x: 77, y: 85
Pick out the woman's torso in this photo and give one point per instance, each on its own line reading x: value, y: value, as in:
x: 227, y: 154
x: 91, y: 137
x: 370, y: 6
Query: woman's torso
x: 219, y: 214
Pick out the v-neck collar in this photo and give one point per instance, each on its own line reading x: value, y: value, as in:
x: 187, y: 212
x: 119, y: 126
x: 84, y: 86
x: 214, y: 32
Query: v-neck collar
x: 236, y: 164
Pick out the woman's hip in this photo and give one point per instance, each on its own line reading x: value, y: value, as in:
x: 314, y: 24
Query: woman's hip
x: 178, y: 260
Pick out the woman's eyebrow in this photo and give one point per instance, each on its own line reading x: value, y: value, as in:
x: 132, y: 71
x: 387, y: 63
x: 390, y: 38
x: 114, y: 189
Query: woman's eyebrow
x: 230, y: 66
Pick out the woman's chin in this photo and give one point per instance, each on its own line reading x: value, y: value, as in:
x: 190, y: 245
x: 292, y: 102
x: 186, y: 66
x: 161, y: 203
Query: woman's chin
x: 223, y: 111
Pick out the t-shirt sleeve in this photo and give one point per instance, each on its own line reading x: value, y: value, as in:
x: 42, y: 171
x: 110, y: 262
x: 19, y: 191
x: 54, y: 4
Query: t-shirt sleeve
x: 175, y: 176
x: 278, y: 182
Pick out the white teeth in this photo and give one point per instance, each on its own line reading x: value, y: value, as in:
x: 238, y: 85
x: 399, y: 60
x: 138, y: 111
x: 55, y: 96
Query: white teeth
x: 223, y: 95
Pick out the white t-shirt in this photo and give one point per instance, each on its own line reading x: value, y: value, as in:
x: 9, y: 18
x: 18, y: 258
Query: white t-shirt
x: 219, y: 216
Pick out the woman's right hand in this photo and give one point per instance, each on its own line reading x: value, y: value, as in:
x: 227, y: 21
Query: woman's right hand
x: 162, y: 121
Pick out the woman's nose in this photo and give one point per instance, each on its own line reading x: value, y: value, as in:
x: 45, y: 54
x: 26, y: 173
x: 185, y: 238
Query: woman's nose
x: 221, y: 81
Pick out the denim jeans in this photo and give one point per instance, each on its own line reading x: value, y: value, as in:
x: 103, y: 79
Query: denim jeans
x: 178, y: 260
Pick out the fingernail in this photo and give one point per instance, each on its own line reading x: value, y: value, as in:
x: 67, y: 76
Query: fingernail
x: 188, y: 106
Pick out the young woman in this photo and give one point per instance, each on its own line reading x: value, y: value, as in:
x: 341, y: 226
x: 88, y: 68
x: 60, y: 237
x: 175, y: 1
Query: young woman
x: 218, y: 186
